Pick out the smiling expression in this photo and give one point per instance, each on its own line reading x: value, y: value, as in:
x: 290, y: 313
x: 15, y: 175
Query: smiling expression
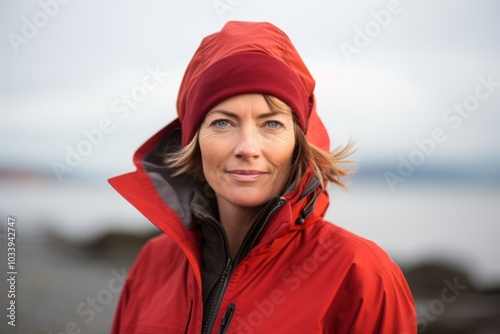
x: 246, y: 149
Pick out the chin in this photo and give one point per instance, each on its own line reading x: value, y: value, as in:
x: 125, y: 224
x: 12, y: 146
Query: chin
x: 248, y: 200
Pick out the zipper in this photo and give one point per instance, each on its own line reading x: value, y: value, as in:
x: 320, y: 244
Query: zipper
x: 226, y: 320
x: 215, y: 308
x: 269, y: 213
x: 247, y: 244
x: 272, y: 207
x: 225, y: 252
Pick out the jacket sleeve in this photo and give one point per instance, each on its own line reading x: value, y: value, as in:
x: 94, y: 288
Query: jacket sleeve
x: 381, y: 304
x: 123, y: 303
x: 120, y: 309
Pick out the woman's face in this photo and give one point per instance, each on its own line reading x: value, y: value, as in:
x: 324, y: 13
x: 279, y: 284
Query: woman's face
x: 246, y: 150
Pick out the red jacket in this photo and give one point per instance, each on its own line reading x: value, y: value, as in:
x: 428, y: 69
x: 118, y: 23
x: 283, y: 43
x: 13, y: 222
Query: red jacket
x: 313, y: 277
x: 298, y: 274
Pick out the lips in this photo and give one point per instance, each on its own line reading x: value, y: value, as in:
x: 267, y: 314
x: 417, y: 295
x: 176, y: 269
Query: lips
x: 244, y: 175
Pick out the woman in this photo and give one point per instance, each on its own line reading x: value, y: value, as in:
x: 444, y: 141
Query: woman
x: 237, y: 185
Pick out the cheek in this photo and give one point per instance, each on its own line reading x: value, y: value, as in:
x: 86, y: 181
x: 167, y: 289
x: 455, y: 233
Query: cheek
x: 280, y: 154
x: 286, y: 147
x: 212, y: 153
x: 208, y: 157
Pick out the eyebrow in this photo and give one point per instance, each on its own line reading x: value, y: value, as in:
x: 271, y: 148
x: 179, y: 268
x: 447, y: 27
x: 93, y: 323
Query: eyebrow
x: 261, y: 116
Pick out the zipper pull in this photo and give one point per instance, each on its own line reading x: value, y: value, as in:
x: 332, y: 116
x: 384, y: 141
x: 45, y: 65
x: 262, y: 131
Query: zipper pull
x: 226, y: 319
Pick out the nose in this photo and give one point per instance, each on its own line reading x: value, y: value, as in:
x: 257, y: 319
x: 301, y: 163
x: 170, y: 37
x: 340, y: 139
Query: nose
x: 247, y: 146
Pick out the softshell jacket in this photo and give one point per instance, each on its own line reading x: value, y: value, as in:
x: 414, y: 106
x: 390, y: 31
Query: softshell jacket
x: 307, y: 276
x: 297, y: 273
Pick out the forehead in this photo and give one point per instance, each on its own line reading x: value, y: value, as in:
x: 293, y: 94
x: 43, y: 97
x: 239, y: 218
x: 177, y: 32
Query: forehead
x: 251, y: 103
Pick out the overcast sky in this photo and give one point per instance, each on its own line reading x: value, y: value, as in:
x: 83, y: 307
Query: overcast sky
x: 65, y: 69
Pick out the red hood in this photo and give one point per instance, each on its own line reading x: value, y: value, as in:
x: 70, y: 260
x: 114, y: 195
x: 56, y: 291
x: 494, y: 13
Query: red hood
x: 236, y: 40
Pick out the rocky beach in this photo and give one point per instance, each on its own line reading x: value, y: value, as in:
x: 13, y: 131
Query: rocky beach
x: 65, y: 287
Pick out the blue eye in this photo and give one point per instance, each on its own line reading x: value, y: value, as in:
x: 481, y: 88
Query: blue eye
x: 221, y: 123
x: 274, y: 124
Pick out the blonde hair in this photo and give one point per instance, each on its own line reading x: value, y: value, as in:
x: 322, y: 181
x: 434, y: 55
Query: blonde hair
x: 327, y: 166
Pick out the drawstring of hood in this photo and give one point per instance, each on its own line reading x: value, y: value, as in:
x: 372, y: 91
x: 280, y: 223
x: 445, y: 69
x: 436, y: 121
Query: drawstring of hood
x: 311, y: 191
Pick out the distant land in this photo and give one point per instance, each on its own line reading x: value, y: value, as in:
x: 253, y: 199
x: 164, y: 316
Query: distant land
x: 373, y: 170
